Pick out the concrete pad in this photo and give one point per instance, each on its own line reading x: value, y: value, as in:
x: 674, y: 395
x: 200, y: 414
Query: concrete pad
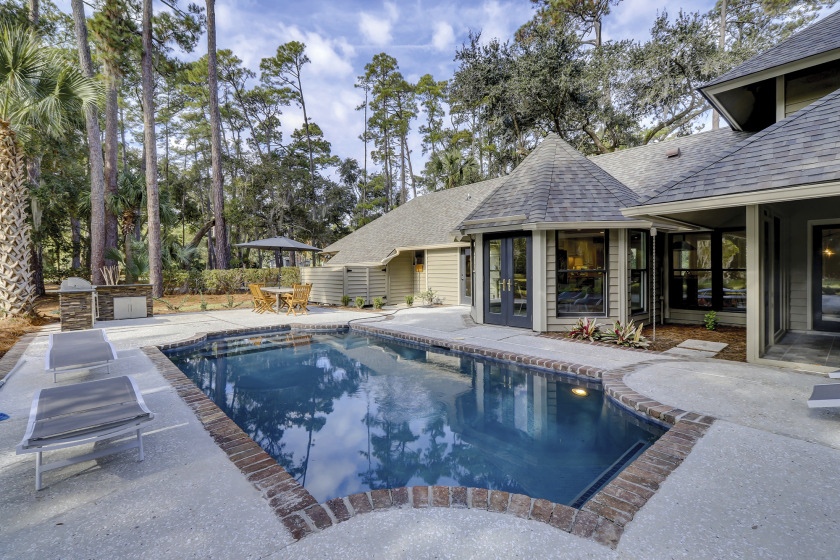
x: 743, y: 493
x: 706, y: 345
x: 442, y: 533
x: 169, y: 506
x: 766, y: 398
x: 689, y: 353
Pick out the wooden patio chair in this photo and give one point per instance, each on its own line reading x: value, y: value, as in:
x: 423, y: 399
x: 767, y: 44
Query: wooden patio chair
x: 298, y: 299
x: 262, y: 301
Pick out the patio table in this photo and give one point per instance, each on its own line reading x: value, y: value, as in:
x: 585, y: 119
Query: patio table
x: 279, y: 293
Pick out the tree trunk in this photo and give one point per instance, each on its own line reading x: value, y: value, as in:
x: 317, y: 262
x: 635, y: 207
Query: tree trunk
x: 722, y: 46
x: 33, y: 169
x: 97, y: 173
x: 16, y: 289
x: 149, y: 142
x: 111, y: 148
x: 404, y: 187
x: 222, y: 251
x: 34, y: 11
x: 410, y: 168
x: 76, y: 242
x: 122, y: 140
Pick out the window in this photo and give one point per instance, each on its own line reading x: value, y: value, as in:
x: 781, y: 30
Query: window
x: 708, y: 270
x: 581, y: 273
x: 419, y: 260
x: 638, y: 271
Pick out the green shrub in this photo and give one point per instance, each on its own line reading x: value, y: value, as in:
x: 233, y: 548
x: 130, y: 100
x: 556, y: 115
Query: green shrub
x: 378, y: 302
x: 345, y: 300
x: 585, y: 329
x: 627, y: 334
x: 203, y: 302
x: 409, y: 300
x: 289, y: 275
x: 428, y: 297
x: 710, y: 320
x: 360, y: 302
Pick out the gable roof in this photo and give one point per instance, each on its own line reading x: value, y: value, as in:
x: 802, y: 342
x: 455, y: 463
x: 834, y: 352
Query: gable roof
x: 817, y: 38
x: 801, y: 149
x: 423, y: 221
x: 555, y: 183
x: 647, y: 168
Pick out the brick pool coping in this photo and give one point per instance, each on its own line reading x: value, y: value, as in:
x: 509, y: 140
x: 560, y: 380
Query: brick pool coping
x: 601, y: 519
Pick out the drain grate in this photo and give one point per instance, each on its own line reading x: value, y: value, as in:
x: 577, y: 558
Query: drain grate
x: 608, y: 474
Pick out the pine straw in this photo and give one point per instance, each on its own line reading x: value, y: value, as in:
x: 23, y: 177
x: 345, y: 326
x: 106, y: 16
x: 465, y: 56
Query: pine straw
x: 12, y: 329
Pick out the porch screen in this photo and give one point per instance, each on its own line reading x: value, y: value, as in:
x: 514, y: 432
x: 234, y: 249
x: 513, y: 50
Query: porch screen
x: 581, y: 273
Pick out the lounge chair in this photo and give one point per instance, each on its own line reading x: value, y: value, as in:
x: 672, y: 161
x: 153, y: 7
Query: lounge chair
x: 84, y: 413
x: 75, y: 350
x: 826, y: 395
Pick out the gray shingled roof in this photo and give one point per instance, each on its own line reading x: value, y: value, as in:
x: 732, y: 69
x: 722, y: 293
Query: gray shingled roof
x: 817, y: 38
x: 555, y: 183
x: 802, y: 149
x: 646, y: 168
x: 420, y: 222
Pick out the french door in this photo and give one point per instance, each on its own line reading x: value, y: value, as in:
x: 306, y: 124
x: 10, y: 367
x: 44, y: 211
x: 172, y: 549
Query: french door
x: 825, y: 289
x: 507, y: 280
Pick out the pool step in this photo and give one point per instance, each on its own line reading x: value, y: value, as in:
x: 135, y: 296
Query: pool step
x: 608, y: 474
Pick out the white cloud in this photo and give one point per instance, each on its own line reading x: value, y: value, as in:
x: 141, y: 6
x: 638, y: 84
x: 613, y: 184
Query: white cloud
x: 391, y: 8
x: 444, y: 36
x: 375, y: 30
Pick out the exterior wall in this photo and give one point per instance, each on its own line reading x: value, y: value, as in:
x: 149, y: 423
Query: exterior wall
x: 329, y: 284
x: 806, y: 86
x: 76, y: 309
x: 798, y: 218
x: 555, y: 323
x: 695, y: 317
x: 401, y: 277
x: 442, y: 267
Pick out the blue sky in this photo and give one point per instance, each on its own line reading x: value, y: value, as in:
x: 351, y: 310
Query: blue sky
x: 342, y: 36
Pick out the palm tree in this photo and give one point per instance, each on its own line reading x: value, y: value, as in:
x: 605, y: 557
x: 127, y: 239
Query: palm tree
x: 453, y: 168
x: 39, y: 95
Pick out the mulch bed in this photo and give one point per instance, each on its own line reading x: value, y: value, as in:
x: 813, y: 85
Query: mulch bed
x: 12, y: 329
x: 668, y: 336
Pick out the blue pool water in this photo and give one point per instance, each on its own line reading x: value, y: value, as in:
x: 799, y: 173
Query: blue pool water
x: 345, y: 413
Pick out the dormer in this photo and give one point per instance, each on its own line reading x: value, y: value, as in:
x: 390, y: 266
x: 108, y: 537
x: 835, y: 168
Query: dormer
x: 781, y: 80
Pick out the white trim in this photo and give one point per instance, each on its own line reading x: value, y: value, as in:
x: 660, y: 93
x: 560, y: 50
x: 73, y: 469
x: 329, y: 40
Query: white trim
x: 769, y: 196
x: 623, y: 275
x: 478, y: 280
x: 754, y: 307
x: 607, y: 224
x: 539, y: 286
x: 511, y: 218
x: 397, y: 250
x: 780, y: 98
x: 787, y: 68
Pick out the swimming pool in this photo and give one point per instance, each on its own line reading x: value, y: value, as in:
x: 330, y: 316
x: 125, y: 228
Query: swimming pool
x: 349, y: 412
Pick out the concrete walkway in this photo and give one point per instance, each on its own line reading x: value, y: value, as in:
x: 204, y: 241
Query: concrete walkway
x: 761, y: 484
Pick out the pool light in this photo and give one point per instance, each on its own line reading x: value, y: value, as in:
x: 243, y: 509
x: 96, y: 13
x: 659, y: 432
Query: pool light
x: 580, y: 391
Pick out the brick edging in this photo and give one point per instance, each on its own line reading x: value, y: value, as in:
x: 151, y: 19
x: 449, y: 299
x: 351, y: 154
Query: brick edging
x: 14, y: 354
x: 602, y: 518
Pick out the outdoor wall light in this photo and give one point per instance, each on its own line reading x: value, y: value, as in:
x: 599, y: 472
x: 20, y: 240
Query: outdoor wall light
x: 828, y: 252
x: 580, y: 391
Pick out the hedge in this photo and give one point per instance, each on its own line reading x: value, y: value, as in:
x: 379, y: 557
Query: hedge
x: 225, y: 281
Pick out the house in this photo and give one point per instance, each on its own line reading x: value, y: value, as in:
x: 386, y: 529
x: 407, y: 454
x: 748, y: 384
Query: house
x: 743, y: 221
x: 404, y: 252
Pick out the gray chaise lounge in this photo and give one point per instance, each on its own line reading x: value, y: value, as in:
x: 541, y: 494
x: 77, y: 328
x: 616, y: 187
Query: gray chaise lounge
x: 74, y: 350
x: 84, y: 413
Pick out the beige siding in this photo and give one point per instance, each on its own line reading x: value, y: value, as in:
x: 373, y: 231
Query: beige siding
x: 401, y: 276
x: 443, y: 276
x: 327, y: 283
x: 695, y: 317
x: 556, y: 323
x: 805, y: 87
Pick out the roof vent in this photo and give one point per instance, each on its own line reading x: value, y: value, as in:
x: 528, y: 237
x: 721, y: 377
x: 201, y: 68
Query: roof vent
x: 675, y: 153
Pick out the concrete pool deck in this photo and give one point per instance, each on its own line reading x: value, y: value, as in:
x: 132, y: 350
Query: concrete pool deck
x: 761, y: 483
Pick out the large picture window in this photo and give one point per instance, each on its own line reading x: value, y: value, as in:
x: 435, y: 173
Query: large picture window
x: 581, y: 265
x: 708, y: 270
x: 638, y: 271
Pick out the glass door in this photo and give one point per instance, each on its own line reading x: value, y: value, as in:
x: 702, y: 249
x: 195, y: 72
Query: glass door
x: 826, y: 278
x: 466, y: 276
x: 507, y: 281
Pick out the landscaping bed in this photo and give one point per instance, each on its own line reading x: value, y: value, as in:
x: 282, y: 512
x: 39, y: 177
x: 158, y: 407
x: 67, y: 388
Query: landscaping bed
x: 668, y: 336
x: 12, y: 329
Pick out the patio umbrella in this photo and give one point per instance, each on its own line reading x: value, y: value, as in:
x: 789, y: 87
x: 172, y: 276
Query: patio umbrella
x: 281, y: 243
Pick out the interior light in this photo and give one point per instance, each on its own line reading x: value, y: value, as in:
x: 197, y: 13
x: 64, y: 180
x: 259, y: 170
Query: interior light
x: 580, y: 391
x: 828, y: 252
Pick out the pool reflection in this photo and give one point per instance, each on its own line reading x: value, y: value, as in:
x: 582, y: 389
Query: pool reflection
x: 344, y: 413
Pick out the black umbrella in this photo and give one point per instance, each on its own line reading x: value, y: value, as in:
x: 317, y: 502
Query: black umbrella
x: 281, y: 243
